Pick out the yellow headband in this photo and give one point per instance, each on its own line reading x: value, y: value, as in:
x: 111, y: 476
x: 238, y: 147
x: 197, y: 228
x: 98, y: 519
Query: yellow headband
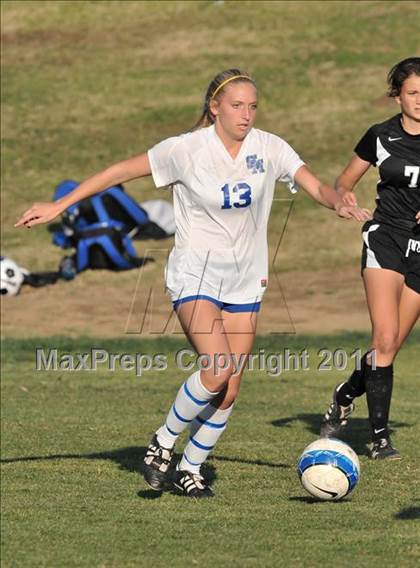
x: 227, y: 81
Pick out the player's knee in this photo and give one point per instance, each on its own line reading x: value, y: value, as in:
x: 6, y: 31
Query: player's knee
x: 386, y: 342
x: 218, y: 375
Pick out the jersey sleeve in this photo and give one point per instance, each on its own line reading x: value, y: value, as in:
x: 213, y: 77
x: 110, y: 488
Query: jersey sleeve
x: 286, y: 162
x: 167, y: 161
x: 366, y: 147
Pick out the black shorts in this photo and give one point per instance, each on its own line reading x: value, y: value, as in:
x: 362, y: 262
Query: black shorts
x: 384, y: 247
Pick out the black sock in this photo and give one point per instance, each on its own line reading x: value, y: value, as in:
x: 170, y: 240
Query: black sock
x: 355, y: 385
x: 379, y: 383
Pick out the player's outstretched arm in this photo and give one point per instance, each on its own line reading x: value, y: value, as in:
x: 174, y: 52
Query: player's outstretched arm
x: 133, y: 168
x: 326, y: 196
x: 349, y: 177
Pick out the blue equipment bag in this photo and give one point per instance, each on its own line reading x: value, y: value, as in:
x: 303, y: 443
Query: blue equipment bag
x: 101, y: 229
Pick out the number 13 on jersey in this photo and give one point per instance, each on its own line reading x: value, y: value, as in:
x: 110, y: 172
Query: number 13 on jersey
x: 237, y: 196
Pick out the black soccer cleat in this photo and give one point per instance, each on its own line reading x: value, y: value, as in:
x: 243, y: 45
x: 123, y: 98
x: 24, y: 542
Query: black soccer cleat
x: 191, y: 484
x: 382, y: 450
x: 335, y: 418
x: 156, y: 464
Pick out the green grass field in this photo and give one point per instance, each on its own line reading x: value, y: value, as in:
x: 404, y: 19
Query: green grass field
x: 72, y: 443
x: 88, y: 83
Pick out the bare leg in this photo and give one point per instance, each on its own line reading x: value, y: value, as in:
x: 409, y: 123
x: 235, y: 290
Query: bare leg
x: 202, y: 322
x: 240, y: 330
x: 203, y: 325
x: 409, y: 312
x: 394, y: 308
x: 383, y: 293
x: 209, y: 425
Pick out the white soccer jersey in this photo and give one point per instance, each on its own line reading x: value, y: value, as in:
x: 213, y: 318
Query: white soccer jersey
x: 221, y: 210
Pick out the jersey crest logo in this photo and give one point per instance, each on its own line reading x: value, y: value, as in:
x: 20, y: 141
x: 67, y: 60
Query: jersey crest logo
x: 255, y: 164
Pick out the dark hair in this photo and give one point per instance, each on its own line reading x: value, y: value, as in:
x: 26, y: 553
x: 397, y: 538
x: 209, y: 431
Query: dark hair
x: 400, y: 72
x: 214, y: 91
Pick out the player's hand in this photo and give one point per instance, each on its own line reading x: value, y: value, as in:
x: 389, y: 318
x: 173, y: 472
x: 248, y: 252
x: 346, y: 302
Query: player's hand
x: 353, y: 212
x: 418, y: 217
x: 39, y: 213
x: 349, y: 199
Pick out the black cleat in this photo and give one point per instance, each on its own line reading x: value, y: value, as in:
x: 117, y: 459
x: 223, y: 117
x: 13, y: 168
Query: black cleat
x: 382, y: 450
x: 156, y: 464
x: 191, y: 484
x: 335, y: 418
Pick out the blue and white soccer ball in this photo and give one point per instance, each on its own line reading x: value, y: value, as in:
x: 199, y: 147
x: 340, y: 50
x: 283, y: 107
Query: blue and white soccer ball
x: 329, y: 469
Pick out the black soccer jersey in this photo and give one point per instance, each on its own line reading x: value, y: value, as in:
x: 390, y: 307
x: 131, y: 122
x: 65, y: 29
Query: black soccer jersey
x: 397, y: 155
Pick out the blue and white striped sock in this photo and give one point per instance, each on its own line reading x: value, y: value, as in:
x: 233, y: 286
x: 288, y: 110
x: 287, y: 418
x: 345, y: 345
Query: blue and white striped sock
x: 205, y: 431
x: 190, y: 400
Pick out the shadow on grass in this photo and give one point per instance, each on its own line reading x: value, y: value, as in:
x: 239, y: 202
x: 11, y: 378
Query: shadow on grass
x: 149, y: 494
x: 131, y: 459
x: 356, y: 434
x: 314, y: 501
x: 128, y: 459
x: 408, y: 514
x: 249, y: 462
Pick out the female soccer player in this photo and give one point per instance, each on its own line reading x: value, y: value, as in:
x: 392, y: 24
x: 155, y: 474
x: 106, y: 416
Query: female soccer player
x: 390, y: 257
x: 223, y: 175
